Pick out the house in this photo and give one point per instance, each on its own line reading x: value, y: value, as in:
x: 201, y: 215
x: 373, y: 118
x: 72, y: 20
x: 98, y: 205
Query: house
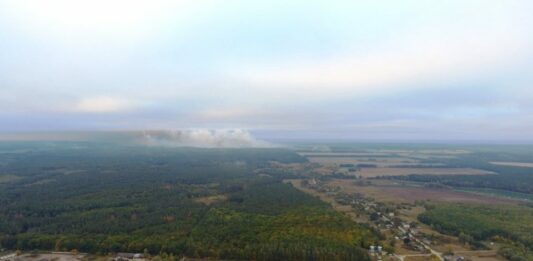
x: 127, y: 256
x: 453, y: 258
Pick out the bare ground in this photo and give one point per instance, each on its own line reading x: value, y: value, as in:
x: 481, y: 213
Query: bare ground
x: 412, y: 194
x: 376, y: 172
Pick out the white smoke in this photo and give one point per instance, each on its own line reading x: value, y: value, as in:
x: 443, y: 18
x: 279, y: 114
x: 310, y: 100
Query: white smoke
x: 203, y: 138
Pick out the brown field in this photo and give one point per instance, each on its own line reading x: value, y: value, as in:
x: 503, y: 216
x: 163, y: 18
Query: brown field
x: 343, y: 154
x: 376, y: 172
x: 422, y: 257
x: 513, y: 164
x: 441, y: 152
x: 8, y: 178
x: 412, y: 194
x: 66, y: 171
x: 50, y: 256
x: 211, y: 199
x: 380, y: 162
x: 480, y: 255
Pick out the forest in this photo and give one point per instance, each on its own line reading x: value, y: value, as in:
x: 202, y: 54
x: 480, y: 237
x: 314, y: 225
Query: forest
x: 102, y: 198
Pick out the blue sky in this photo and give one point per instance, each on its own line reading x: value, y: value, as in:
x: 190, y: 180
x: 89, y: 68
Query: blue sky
x: 363, y: 70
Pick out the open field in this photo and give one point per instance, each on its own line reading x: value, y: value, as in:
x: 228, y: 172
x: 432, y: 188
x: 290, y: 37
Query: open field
x: 380, y: 158
x: 412, y: 194
x: 49, y: 256
x: 409, y: 215
x: 513, y: 164
x: 8, y: 178
x: 297, y: 183
x: 376, y: 172
x: 441, y: 243
x: 211, y: 199
x: 344, y: 154
x: 380, y: 162
x: 419, y: 257
x: 481, y: 255
x: 66, y: 171
x: 383, y: 153
x: 482, y: 176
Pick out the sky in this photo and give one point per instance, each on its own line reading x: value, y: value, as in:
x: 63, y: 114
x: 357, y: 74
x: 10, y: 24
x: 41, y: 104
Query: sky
x: 355, y: 70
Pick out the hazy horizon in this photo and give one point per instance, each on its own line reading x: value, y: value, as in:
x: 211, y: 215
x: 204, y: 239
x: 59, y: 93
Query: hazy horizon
x: 435, y: 71
x: 225, y: 138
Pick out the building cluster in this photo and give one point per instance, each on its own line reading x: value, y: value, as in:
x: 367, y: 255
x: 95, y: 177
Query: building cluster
x: 128, y: 257
x: 382, y: 216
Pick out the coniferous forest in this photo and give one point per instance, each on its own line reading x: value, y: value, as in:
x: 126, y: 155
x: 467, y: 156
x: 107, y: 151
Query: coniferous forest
x: 105, y: 198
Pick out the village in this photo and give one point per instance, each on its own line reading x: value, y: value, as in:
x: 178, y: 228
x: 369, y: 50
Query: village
x: 402, y: 238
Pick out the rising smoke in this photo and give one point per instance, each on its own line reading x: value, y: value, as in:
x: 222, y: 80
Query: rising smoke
x: 200, y: 138
x: 203, y: 138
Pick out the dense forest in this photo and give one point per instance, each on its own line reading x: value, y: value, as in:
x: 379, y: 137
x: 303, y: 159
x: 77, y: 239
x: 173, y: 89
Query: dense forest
x: 103, y: 198
x: 473, y: 224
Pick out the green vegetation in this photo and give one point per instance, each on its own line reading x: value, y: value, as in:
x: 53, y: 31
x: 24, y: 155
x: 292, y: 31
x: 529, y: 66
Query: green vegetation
x: 509, y: 225
x: 102, y: 198
x: 298, y: 234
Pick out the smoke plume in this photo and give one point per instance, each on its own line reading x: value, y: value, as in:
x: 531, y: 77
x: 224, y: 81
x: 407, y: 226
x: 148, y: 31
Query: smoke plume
x: 203, y: 138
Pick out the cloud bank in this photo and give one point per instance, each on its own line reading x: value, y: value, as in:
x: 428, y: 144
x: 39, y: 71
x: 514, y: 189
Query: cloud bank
x: 102, y: 105
x: 305, y: 69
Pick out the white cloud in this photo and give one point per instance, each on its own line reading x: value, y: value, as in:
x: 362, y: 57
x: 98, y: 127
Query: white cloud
x: 397, y: 65
x: 122, y: 17
x: 103, y: 105
x: 226, y: 113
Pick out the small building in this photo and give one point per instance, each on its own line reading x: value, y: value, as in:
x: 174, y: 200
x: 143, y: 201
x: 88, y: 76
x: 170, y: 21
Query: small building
x: 128, y: 256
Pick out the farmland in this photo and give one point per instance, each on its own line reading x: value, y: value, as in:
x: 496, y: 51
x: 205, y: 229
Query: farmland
x: 385, y: 171
x: 397, y: 192
x: 368, y: 181
x: 8, y: 178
